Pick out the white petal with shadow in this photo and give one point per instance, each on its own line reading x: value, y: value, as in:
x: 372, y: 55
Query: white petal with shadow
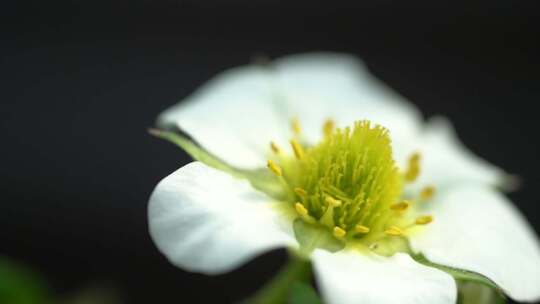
x: 319, y: 86
x: 236, y: 115
x: 445, y: 160
x: 348, y: 277
x: 233, y: 116
x: 204, y: 220
x: 478, y: 229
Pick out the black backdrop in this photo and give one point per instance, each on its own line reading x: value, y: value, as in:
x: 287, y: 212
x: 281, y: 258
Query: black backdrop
x: 81, y: 82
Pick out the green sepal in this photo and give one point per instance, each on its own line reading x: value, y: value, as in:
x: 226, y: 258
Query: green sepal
x: 474, y: 293
x: 261, y: 179
x: 312, y: 236
x: 303, y: 293
x: 462, y: 275
x: 192, y: 149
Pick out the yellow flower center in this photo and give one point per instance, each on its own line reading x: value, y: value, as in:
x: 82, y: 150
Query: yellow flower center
x: 350, y: 183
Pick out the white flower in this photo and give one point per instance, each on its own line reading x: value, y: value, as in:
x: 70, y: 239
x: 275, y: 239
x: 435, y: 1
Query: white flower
x: 211, y: 221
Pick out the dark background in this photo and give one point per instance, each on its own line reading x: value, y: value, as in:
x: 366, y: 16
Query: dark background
x: 81, y: 82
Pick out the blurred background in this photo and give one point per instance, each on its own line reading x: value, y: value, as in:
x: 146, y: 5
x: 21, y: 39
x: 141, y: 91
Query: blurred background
x: 81, y: 81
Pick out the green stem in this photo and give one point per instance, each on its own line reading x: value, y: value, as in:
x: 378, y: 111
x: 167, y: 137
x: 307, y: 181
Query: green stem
x: 277, y: 290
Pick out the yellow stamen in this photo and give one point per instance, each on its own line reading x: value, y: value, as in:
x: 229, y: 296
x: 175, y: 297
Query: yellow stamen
x: 412, y: 174
x: 275, y: 148
x: 415, y: 157
x: 413, y: 169
x: 339, y: 232
x: 424, y: 220
x: 401, y: 206
x: 394, y: 231
x: 333, y: 202
x: 304, y: 213
x: 274, y: 167
x: 295, y: 126
x: 328, y: 127
x: 301, y: 192
x: 301, y: 209
x: 361, y: 229
x: 297, y: 148
x: 427, y: 193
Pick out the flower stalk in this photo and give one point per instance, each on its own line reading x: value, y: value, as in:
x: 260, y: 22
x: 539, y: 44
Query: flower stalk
x: 277, y: 290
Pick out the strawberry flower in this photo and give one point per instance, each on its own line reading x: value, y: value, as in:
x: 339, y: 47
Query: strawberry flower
x: 314, y: 154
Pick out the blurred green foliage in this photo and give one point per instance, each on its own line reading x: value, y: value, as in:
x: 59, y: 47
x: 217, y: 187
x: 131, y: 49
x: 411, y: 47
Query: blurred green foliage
x: 20, y: 285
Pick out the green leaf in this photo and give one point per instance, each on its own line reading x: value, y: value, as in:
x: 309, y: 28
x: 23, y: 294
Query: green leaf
x: 315, y: 236
x: 302, y: 293
x: 19, y: 285
x: 461, y: 275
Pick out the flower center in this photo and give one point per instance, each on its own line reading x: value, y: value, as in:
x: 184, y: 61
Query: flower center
x: 350, y: 184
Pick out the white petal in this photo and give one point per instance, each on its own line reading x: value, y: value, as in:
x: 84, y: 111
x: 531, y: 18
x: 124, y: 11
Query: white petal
x: 239, y: 112
x: 319, y: 86
x: 445, y: 160
x: 477, y: 229
x: 233, y: 116
x: 349, y: 277
x: 206, y: 221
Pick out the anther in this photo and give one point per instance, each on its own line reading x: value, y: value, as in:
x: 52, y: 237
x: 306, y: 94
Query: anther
x: 394, y: 231
x: 413, y: 169
x: 304, y: 214
x: 328, y: 127
x: 424, y: 220
x: 332, y: 201
x: 275, y: 148
x: 401, y: 206
x: 361, y: 229
x: 427, y: 193
x: 301, y: 192
x: 274, y: 167
x: 339, y: 232
x: 297, y: 148
x: 295, y: 126
x: 301, y: 209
